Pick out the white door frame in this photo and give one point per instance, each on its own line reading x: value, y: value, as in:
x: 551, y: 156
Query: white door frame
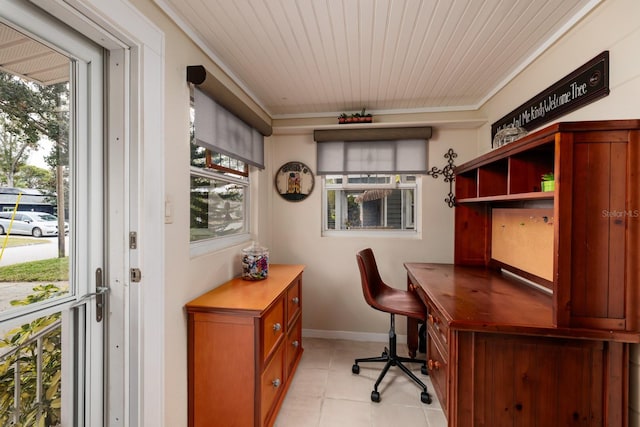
x: 136, y: 140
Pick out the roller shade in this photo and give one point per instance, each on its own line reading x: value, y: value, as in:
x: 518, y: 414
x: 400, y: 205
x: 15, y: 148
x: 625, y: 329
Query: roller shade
x: 372, y: 134
x: 217, y: 129
x: 209, y: 84
x: 387, y: 153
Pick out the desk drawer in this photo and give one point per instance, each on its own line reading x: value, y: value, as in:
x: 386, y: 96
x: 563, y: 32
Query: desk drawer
x: 438, y: 368
x: 437, y: 323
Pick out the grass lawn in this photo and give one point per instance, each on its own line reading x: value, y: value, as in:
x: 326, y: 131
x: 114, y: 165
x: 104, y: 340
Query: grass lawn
x: 19, y: 241
x: 54, y: 270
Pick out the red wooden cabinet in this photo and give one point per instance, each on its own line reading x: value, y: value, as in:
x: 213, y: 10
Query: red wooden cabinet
x: 549, y: 346
x: 244, y: 345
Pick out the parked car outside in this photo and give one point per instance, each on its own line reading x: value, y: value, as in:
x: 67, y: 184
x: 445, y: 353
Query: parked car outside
x: 36, y: 224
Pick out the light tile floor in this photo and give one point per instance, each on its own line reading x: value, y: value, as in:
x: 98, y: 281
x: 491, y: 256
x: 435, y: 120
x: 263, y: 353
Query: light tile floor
x: 324, y: 392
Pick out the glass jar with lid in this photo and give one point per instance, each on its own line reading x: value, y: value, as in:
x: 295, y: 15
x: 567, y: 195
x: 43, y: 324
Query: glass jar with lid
x: 255, y: 262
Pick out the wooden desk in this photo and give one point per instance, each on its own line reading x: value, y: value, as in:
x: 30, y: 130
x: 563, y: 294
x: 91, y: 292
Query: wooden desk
x: 244, y: 344
x: 496, y: 358
x: 504, y: 354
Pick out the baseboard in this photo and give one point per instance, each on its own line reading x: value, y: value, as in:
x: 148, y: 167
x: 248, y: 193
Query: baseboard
x: 352, y: 336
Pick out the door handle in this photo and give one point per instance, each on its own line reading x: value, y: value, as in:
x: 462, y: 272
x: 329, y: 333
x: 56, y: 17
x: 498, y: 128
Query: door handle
x: 99, y: 294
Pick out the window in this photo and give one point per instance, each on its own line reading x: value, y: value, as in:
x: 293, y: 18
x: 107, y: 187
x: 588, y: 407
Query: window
x: 370, y: 202
x: 218, y: 206
x: 223, y: 145
x: 370, y: 178
x: 219, y: 194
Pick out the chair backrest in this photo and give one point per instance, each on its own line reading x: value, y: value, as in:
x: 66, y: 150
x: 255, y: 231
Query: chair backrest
x: 372, y: 283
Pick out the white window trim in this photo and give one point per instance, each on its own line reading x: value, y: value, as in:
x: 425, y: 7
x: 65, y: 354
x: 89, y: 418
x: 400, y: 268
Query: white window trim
x: 395, y: 234
x: 414, y: 234
x: 205, y: 246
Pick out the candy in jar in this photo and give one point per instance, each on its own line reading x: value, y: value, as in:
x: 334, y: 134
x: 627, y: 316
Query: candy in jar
x: 255, y: 262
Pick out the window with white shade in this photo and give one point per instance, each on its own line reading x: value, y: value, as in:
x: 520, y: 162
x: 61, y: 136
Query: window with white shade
x: 222, y: 148
x: 372, y: 185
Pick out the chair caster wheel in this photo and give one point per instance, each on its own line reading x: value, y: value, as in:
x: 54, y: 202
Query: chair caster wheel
x: 355, y: 369
x: 375, y: 396
x: 424, y: 397
x: 424, y: 370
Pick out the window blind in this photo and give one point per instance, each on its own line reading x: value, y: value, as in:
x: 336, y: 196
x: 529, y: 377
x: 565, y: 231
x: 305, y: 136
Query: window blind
x: 382, y: 150
x: 217, y: 129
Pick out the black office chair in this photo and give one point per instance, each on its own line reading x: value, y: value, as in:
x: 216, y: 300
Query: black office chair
x: 393, y: 301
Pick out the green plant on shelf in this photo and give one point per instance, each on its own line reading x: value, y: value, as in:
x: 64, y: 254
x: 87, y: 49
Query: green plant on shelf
x: 548, y: 182
x: 361, y: 117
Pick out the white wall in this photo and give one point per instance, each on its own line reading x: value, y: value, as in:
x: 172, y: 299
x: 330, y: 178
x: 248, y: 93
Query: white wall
x: 332, y: 294
x: 186, y: 277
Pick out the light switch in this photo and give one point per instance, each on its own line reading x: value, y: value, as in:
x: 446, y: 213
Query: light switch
x: 168, y: 212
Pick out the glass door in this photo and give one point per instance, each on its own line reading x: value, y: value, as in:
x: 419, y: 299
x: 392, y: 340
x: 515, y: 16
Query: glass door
x: 53, y: 293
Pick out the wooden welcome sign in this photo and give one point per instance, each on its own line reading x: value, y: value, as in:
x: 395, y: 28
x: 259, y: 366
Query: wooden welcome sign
x: 581, y: 87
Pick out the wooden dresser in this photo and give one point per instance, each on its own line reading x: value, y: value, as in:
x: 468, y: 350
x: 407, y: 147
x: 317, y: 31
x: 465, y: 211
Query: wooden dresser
x: 244, y: 344
x: 549, y: 346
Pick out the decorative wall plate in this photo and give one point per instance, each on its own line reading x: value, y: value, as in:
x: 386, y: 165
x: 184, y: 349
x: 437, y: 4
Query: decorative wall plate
x: 294, y: 181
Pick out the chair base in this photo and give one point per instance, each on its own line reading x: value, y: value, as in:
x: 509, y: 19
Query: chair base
x: 390, y: 358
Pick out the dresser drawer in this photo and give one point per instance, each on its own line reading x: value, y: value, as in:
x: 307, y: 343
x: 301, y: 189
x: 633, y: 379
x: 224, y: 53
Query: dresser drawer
x: 438, y: 368
x: 294, y: 300
x: 294, y: 344
x: 271, y: 384
x: 272, y: 328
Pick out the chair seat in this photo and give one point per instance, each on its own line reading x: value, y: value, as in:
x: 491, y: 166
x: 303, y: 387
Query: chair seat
x: 397, y: 301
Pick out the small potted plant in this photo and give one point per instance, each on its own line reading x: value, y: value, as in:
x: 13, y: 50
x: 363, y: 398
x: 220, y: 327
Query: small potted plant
x: 365, y: 117
x: 548, y: 182
x: 361, y: 117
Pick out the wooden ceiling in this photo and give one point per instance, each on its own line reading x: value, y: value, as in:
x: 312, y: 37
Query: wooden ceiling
x: 26, y: 57
x: 314, y: 58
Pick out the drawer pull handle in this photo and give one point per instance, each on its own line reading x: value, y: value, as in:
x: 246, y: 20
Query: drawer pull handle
x: 433, y: 365
x: 295, y: 300
x: 276, y: 382
x: 295, y: 343
x: 277, y: 327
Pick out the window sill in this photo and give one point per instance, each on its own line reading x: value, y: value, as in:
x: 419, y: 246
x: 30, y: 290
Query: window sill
x: 395, y: 234
x: 202, y: 247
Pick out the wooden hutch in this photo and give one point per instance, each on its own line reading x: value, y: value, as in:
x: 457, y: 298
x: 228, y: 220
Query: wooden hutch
x: 533, y: 322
